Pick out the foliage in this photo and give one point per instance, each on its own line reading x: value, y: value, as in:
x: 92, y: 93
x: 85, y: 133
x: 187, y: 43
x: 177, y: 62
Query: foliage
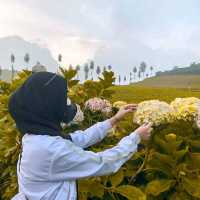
x: 165, y: 168
x: 9, y: 139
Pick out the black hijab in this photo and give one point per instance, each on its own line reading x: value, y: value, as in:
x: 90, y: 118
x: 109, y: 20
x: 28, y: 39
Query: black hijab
x: 40, y: 105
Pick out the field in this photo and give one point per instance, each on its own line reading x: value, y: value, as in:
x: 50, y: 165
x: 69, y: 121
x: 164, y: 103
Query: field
x: 138, y: 93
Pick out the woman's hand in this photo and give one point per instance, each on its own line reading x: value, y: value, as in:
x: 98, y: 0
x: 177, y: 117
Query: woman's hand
x: 123, y: 111
x: 144, y: 131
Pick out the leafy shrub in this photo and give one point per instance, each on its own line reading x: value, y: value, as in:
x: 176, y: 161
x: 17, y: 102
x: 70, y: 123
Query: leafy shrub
x: 165, y: 168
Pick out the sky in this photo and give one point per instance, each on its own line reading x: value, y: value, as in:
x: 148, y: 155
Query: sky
x: 163, y: 33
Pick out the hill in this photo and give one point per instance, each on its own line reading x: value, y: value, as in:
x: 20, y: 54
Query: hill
x: 19, y: 47
x: 193, y: 69
x: 172, y: 81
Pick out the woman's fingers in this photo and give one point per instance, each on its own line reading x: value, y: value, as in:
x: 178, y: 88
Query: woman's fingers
x: 129, y: 106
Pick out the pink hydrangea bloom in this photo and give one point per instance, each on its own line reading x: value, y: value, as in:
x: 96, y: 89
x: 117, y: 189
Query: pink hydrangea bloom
x: 98, y: 104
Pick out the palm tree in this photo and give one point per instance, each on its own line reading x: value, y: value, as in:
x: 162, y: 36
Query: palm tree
x: 86, y: 70
x: 26, y: 59
x: 143, y: 67
x: 92, y: 68
x: 134, y: 71
x: 59, y: 61
x: 12, y: 59
x: 130, y: 80
x: 124, y: 78
x: 104, y: 68
x: 109, y: 67
x: 77, y: 70
x: 119, y: 78
x: 98, y: 70
x: 151, y: 69
x: 139, y: 74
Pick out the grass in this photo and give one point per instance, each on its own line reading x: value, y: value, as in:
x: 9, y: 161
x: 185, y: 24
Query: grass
x: 136, y: 94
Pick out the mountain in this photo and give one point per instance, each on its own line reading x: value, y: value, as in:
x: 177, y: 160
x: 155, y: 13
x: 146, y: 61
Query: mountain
x: 193, y: 69
x: 19, y: 47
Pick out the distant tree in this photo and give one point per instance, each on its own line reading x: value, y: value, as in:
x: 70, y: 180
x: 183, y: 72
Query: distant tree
x: 59, y: 57
x: 124, y: 78
x: 147, y: 75
x: 135, y: 71
x: 193, y: 64
x: 78, y: 69
x: 130, y: 79
x: 151, y: 69
x: 92, y: 68
x: 139, y: 74
x: 119, y: 78
x: 27, y: 59
x: 104, y: 68
x: 86, y: 70
x: 109, y: 67
x: 12, y: 59
x: 143, y: 67
x: 59, y: 61
x: 98, y: 70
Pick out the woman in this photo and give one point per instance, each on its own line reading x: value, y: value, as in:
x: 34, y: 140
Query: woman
x: 50, y: 163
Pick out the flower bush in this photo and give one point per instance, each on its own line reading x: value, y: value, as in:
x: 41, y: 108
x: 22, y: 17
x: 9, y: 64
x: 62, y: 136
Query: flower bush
x: 98, y: 104
x: 153, y: 111
x: 185, y: 109
x: 165, y: 168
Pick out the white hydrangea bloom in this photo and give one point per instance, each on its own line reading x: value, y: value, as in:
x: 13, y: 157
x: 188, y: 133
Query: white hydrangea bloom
x: 153, y: 111
x: 185, y: 108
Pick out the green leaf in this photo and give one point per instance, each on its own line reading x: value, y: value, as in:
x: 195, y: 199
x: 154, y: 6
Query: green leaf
x: 92, y: 187
x: 192, y: 186
x: 117, y: 178
x: 158, y: 186
x: 180, y: 154
x: 195, y: 157
x: 130, y: 192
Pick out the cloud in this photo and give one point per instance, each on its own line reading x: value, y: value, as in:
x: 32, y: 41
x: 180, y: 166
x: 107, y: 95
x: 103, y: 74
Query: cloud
x: 122, y: 33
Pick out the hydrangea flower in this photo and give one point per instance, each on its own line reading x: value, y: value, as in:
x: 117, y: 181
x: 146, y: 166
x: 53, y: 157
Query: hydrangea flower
x: 98, y: 104
x: 185, y: 108
x: 119, y: 104
x: 153, y: 111
x: 198, y: 117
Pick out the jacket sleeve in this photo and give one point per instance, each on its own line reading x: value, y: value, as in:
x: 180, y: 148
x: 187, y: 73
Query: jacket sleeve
x: 71, y: 162
x: 92, y: 135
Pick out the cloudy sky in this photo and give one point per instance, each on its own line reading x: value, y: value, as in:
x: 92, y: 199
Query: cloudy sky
x: 163, y: 33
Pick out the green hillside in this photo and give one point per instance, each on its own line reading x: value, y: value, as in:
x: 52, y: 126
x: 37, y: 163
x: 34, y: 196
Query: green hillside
x: 172, y: 81
x: 137, y: 94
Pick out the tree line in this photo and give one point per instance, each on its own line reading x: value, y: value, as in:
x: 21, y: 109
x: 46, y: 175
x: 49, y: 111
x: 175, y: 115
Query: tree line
x: 90, y: 68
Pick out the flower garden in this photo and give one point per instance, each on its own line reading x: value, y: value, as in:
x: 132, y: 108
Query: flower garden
x: 167, y: 167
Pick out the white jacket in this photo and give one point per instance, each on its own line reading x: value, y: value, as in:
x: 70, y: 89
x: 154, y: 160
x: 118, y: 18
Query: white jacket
x: 50, y: 165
